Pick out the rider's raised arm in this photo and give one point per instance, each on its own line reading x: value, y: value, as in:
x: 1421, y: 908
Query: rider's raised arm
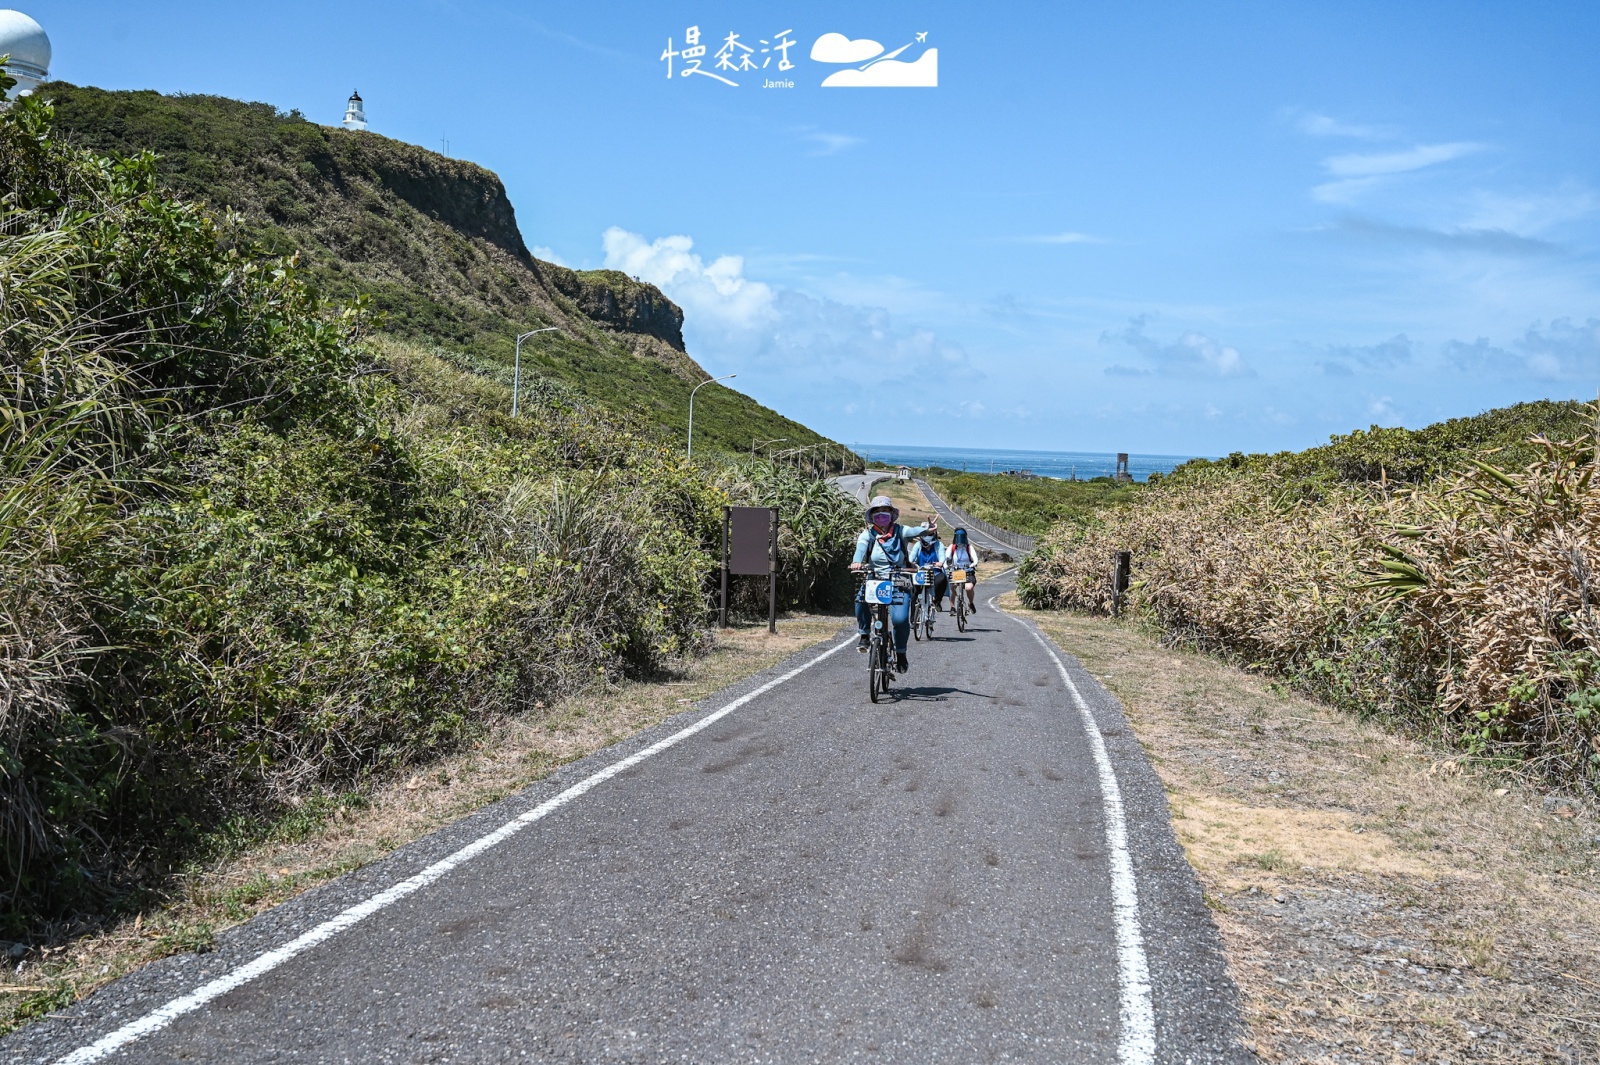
x: 911, y: 532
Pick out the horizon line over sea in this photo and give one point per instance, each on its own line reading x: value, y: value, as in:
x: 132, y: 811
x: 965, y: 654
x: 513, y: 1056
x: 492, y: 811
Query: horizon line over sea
x: 1062, y: 465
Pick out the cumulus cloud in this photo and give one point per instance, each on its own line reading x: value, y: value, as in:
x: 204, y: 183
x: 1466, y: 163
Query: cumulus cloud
x: 791, y: 340
x: 1561, y: 350
x: 1381, y: 356
x: 1191, y: 355
x: 718, y: 291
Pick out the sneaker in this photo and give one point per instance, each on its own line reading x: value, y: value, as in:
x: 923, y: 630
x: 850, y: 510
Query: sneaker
x: 863, y: 643
x: 901, y: 664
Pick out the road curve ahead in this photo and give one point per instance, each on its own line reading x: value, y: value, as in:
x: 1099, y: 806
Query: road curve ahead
x: 980, y: 870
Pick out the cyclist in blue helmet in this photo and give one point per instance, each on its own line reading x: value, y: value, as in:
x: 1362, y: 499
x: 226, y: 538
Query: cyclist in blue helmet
x: 962, y: 556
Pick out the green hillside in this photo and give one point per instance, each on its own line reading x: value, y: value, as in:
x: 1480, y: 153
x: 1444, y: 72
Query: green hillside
x: 432, y: 242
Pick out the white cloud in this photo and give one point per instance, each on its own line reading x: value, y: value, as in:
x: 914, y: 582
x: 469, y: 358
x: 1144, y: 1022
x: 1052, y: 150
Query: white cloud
x: 1529, y: 214
x: 1315, y: 125
x: 539, y: 251
x: 1423, y: 155
x: 719, y: 292
x: 1359, y: 172
x: 1382, y: 411
x: 1068, y: 237
x: 837, y: 48
x: 833, y: 143
x: 786, y: 342
x: 1192, y: 354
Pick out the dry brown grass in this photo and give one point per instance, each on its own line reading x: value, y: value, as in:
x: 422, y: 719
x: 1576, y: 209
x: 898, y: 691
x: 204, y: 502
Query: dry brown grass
x: 914, y: 506
x: 214, y: 897
x: 1376, y: 900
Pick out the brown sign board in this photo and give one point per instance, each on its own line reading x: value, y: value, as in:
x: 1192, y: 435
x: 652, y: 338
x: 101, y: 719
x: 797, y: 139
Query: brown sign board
x: 750, y: 547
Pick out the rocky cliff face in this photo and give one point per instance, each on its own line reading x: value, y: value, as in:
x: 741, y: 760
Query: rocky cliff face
x: 614, y: 298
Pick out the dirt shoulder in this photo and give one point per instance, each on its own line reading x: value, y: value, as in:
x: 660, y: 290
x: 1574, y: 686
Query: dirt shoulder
x: 341, y: 834
x: 1377, y: 900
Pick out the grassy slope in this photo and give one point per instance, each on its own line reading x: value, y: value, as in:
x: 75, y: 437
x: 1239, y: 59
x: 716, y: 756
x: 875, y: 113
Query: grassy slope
x: 432, y: 241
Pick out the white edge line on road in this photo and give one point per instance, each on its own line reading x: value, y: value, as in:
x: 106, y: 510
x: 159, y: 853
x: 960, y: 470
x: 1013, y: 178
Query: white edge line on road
x: 265, y: 963
x: 1138, y: 1043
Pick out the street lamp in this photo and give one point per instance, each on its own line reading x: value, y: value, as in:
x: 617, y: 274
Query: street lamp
x: 516, y: 371
x: 692, y: 391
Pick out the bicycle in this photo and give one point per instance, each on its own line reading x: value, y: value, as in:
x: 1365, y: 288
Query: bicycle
x: 879, y: 595
x: 923, y: 611
x: 958, y: 593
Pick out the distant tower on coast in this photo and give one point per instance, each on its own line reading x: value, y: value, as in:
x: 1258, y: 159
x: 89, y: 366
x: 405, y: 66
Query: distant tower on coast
x: 355, y: 116
x: 25, y: 41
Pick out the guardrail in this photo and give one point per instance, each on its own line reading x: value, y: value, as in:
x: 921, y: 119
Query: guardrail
x: 1005, y: 536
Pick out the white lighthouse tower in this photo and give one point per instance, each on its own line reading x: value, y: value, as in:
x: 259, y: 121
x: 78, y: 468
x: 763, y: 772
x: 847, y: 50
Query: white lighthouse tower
x: 25, y: 41
x: 355, y: 116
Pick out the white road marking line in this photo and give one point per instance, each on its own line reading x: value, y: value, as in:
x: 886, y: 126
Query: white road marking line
x: 1138, y: 1043
x: 265, y: 963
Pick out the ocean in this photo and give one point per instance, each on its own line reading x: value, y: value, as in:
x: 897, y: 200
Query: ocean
x: 1062, y: 464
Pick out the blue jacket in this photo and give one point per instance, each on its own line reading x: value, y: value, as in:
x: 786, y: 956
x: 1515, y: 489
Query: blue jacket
x: 886, y: 558
x: 918, y: 558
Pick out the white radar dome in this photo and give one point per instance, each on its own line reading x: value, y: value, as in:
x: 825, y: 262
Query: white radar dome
x: 25, y: 41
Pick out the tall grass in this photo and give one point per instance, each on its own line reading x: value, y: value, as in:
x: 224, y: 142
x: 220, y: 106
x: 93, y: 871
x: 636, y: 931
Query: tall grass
x: 1464, y: 606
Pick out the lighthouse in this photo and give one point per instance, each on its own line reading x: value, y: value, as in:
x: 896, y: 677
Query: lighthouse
x: 355, y: 116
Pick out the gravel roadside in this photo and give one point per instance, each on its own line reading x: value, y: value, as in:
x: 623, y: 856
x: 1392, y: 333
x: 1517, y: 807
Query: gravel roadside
x: 1378, y: 899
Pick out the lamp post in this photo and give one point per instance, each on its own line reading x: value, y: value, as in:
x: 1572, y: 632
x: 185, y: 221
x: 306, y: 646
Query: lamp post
x: 516, y: 370
x: 692, y: 391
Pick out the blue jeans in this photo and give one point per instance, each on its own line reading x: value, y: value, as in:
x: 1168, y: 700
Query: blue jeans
x: 899, y: 619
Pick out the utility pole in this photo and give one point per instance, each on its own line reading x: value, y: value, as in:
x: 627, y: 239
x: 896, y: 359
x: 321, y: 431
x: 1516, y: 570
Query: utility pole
x: 692, y: 391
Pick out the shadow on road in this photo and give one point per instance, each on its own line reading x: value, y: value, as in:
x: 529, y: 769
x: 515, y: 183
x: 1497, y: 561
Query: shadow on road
x: 933, y: 695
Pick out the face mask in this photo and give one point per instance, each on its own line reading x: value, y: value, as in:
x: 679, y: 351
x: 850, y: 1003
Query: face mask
x: 882, y: 520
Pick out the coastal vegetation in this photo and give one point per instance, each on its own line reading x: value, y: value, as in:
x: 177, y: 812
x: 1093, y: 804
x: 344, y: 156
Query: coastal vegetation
x: 255, y: 552
x: 432, y: 244
x: 1029, y: 505
x: 1440, y: 579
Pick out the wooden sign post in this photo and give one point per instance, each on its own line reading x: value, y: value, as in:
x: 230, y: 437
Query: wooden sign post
x: 750, y: 546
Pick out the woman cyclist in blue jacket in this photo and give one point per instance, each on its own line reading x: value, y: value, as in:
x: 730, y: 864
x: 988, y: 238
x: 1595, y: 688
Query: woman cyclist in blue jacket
x: 880, y: 550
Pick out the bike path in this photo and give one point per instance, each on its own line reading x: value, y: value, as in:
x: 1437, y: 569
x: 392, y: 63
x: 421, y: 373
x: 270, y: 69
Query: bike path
x: 809, y: 878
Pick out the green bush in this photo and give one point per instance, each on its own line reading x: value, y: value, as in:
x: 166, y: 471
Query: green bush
x: 248, y: 554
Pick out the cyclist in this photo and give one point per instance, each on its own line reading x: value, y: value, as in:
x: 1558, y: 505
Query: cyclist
x: 931, y: 552
x: 880, y: 550
x: 962, y: 556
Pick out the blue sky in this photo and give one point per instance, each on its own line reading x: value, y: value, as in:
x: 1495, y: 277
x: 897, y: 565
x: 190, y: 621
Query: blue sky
x: 1159, y: 228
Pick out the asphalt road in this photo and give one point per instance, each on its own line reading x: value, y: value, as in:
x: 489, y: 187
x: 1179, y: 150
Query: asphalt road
x: 856, y: 485
x: 978, y: 537
x: 980, y: 870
